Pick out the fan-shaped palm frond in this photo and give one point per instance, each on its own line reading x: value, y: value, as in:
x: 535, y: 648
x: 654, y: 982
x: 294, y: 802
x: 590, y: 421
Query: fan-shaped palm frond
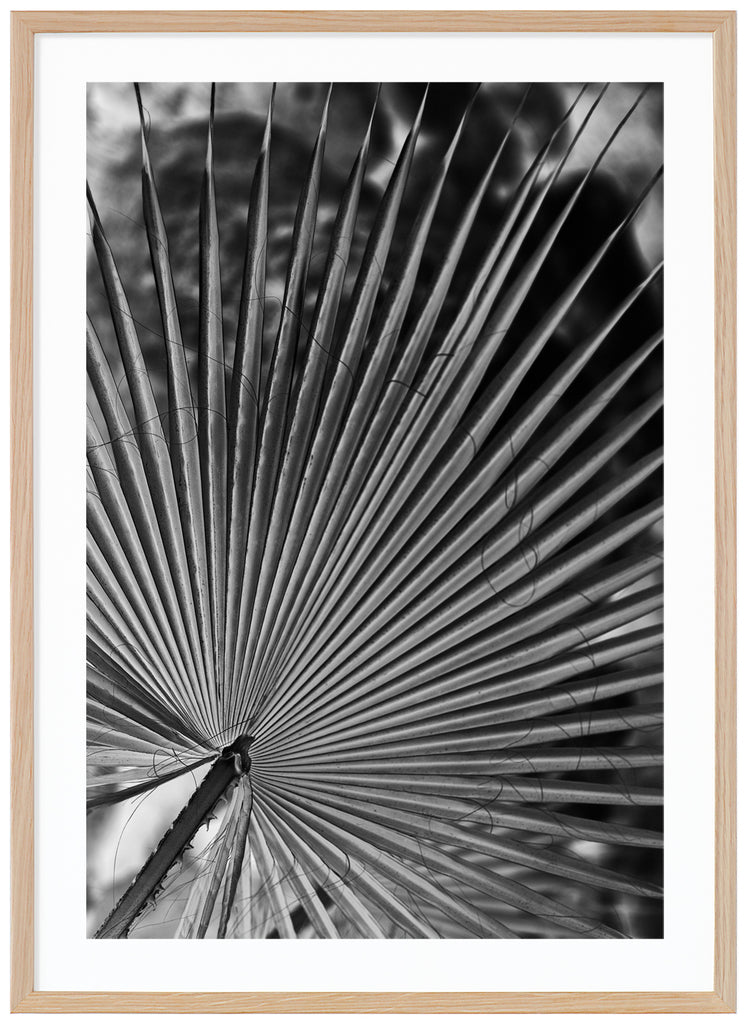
x: 377, y: 570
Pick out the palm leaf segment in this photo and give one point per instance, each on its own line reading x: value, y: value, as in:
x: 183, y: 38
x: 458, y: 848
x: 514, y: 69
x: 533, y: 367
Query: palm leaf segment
x: 400, y: 590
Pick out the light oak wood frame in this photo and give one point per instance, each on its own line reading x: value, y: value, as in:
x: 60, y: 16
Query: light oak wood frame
x: 25, y: 25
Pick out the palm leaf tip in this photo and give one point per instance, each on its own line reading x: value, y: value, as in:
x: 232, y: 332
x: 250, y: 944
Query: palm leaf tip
x: 375, y: 626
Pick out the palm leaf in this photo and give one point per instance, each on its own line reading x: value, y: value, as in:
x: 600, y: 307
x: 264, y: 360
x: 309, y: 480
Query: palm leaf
x: 383, y: 576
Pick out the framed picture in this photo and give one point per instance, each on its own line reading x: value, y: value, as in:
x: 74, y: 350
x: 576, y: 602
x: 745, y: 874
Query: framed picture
x: 395, y: 597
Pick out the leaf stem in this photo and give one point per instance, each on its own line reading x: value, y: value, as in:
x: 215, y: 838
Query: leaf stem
x: 232, y: 763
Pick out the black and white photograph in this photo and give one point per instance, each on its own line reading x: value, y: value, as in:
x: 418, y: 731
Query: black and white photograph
x: 374, y: 509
